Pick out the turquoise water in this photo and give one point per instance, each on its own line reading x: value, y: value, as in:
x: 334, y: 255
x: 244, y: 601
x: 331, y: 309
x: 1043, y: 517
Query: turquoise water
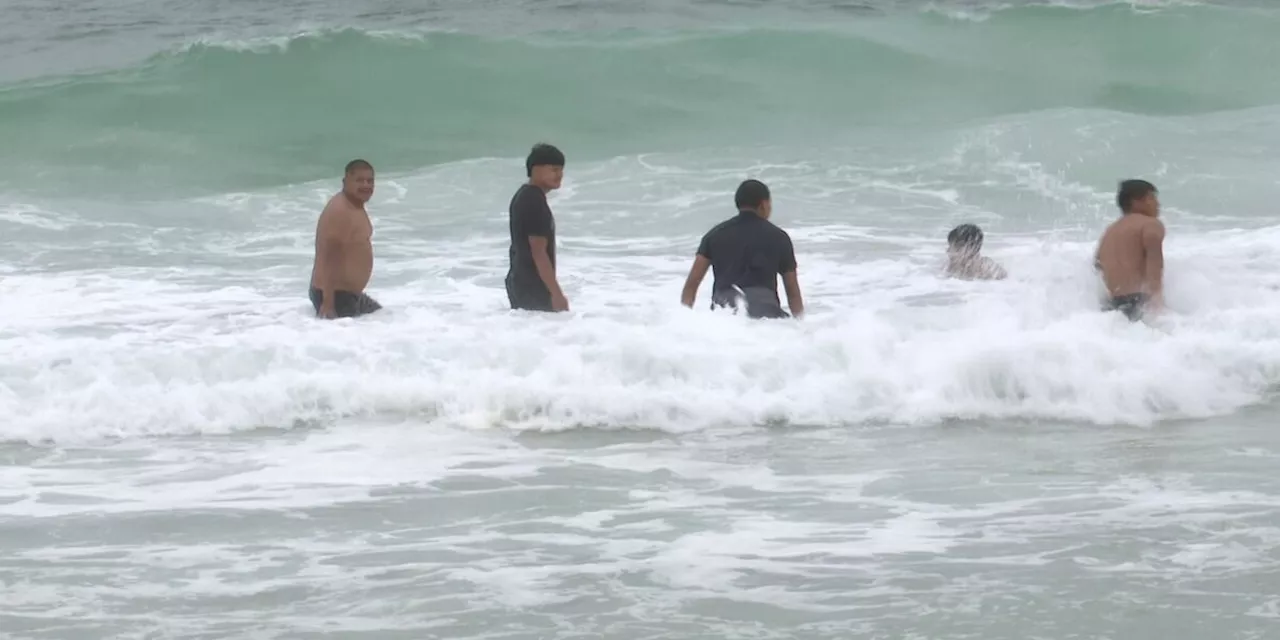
x: 210, y: 111
x: 187, y: 453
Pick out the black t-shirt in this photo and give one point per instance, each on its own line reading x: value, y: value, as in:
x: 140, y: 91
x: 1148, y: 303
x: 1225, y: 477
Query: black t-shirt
x: 748, y: 251
x: 529, y: 216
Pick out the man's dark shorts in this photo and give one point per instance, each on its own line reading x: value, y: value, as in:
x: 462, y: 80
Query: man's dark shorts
x: 527, y: 300
x: 758, y: 301
x: 345, y: 303
x: 1131, y: 305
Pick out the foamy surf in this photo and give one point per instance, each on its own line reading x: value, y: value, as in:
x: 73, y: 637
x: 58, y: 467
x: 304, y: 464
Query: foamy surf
x: 185, y: 452
x: 231, y: 346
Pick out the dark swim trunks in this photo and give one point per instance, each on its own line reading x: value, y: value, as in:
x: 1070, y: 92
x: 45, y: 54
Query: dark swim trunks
x: 345, y: 303
x: 529, y: 298
x: 759, y: 302
x: 1130, y: 305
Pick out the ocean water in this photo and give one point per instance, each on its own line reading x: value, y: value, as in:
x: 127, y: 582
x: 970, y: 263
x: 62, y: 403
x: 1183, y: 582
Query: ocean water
x: 185, y: 452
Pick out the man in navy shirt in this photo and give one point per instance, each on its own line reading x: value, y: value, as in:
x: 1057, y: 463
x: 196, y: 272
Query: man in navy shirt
x: 531, y: 278
x: 746, y: 253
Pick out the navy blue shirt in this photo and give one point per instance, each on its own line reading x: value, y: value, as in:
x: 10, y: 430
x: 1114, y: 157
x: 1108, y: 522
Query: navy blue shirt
x: 748, y: 251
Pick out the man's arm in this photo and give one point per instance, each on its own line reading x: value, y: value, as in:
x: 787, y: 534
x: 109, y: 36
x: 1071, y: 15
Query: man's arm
x: 332, y: 232
x: 696, y: 274
x: 994, y: 271
x: 790, y: 283
x: 1153, y: 269
x: 542, y: 261
x: 538, y: 221
x: 795, y: 301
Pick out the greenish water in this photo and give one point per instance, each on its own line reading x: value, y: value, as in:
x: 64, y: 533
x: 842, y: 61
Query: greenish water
x: 222, y: 113
x: 185, y: 452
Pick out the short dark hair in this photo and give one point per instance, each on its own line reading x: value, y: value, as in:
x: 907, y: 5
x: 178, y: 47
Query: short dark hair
x: 543, y: 153
x: 965, y: 235
x: 356, y: 165
x: 751, y: 194
x: 1131, y: 190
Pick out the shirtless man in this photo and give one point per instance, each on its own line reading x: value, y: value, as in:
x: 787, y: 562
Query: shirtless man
x: 1131, y: 252
x: 344, y: 252
x: 964, y: 256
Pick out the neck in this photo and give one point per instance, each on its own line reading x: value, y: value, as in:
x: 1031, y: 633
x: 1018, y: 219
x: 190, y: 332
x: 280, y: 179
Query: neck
x: 353, y: 200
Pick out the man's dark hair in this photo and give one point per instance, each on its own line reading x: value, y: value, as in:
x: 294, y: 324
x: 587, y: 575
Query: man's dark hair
x: 965, y: 235
x: 751, y: 194
x: 1132, y: 190
x: 356, y: 165
x: 543, y: 153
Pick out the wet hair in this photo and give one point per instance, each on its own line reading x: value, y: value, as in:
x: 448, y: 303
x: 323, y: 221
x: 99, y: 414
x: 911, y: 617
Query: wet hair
x: 356, y: 165
x: 543, y: 153
x: 965, y: 236
x: 1131, y: 191
x: 751, y: 194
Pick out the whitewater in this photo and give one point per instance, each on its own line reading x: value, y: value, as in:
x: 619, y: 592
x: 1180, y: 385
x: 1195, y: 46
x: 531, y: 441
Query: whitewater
x: 186, y: 452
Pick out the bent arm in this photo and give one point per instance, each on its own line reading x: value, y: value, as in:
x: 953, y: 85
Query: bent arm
x: 542, y: 261
x: 696, y: 274
x: 1153, y: 269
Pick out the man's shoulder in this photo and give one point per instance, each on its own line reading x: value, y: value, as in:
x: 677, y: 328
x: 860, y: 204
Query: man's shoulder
x: 1153, y: 231
x: 339, y: 210
x: 777, y: 232
x: 720, y: 227
x: 1144, y: 225
x: 1128, y: 224
x: 337, y: 202
x: 528, y: 194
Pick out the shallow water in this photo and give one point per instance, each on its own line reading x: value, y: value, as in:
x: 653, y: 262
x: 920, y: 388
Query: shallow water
x: 188, y: 453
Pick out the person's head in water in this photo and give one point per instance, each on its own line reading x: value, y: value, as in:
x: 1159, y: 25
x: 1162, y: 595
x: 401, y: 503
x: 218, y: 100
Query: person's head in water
x: 753, y: 195
x: 545, y: 167
x: 965, y: 241
x: 357, y: 181
x: 1138, y: 196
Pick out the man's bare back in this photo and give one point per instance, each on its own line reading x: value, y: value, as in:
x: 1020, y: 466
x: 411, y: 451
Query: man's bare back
x: 1131, y: 252
x: 344, y: 249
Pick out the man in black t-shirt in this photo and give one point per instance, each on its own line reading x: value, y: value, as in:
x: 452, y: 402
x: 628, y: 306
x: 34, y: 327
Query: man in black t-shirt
x: 746, y: 253
x: 531, y: 279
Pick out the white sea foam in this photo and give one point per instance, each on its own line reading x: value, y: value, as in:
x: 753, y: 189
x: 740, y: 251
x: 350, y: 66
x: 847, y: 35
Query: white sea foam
x: 198, y: 323
x: 130, y: 352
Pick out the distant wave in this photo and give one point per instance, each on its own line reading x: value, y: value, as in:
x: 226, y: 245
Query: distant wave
x: 224, y: 115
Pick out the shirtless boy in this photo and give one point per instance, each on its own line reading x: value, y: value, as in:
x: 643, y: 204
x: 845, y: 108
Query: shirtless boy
x: 344, y: 250
x: 1131, y: 252
x: 964, y: 256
